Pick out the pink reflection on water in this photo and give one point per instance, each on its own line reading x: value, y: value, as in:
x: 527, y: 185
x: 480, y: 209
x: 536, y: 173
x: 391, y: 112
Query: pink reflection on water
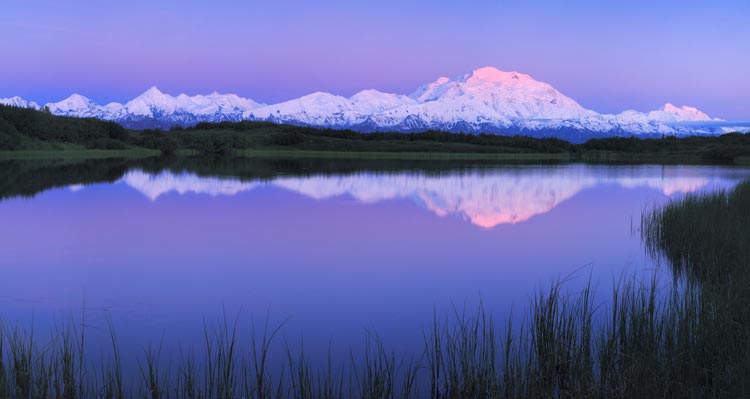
x: 486, y: 200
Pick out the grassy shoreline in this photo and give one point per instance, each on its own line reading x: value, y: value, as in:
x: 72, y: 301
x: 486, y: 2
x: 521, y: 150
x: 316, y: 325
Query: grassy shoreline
x: 280, y: 153
x: 598, y: 157
x: 78, y: 154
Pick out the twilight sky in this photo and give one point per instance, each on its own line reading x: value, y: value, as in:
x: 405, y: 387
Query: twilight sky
x: 609, y: 56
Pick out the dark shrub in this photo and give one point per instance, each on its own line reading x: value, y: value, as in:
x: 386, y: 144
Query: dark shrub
x: 287, y: 138
x: 107, y: 144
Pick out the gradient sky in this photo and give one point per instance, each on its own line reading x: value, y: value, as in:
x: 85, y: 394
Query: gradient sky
x: 609, y: 56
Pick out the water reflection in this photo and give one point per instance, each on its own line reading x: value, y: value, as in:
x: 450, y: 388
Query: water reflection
x: 155, y: 185
x: 485, y: 198
x: 334, y: 248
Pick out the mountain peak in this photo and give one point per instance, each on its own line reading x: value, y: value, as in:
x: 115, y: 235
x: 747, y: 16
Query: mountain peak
x: 685, y: 113
x: 76, y: 101
x: 492, y: 74
x: 75, y: 105
x: 153, y: 94
x: 77, y: 97
x: 153, y: 90
x: 490, y: 95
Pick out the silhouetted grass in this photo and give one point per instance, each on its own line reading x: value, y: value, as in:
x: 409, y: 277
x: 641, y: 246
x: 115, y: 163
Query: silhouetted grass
x: 645, y: 345
x: 689, y: 340
x: 704, y: 237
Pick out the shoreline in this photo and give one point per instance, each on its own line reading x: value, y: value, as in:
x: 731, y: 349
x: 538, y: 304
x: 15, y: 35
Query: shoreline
x: 593, y: 157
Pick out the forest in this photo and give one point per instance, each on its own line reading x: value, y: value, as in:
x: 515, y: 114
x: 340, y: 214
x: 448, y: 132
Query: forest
x: 28, y: 130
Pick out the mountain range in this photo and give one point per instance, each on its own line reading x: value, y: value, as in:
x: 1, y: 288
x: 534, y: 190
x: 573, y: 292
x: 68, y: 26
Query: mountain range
x: 486, y: 100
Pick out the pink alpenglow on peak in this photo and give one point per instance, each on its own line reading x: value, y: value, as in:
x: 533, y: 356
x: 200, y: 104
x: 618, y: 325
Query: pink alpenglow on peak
x: 686, y: 113
x: 492, y: 74
x: 492, y: 95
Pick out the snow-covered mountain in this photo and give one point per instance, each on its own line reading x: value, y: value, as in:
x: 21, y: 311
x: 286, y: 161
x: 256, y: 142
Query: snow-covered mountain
x: 78, y: 105
x: 494, y: 95
x: 486, y: 100
x: 156, y: 109
x: 153, y: 105
x: 683, y: 113
x: 324, y: 109
x: 18, y: 102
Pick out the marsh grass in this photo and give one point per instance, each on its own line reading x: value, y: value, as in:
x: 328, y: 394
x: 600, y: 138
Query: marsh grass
x: 647, y: 345
x: 686, y: 340
x: 705, y: 238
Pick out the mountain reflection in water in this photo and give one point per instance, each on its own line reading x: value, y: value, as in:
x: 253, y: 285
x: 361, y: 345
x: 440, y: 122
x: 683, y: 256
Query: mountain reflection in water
x: 485, y: 198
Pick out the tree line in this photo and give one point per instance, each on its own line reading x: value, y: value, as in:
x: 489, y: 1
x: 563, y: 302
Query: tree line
x: 23, y: 128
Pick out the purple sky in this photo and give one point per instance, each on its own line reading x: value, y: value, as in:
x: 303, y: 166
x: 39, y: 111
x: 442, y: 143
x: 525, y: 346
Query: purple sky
x: 609, y: 56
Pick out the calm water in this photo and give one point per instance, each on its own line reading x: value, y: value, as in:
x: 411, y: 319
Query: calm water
x: 332, y: 254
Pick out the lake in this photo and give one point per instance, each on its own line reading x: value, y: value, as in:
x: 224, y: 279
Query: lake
x: 333, y: 252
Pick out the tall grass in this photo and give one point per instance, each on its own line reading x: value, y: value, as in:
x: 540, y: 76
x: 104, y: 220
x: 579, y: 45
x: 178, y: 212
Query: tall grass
x: 646, y: 345
x: 705, y: 238
x: 688, y: 340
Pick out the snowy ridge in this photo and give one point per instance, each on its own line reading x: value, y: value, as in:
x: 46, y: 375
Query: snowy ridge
x: 324, y: 109
x: 156, y: 109
x: 78, y: 105
x: 486, y: 100
x: 18, y: 102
